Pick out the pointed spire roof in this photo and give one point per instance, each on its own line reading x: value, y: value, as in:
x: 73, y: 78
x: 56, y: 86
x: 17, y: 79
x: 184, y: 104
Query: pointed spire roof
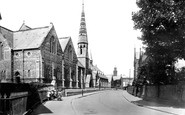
x: 83, y: 31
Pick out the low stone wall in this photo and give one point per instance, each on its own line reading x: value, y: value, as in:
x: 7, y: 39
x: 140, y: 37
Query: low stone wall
x: 13, y: 105
x: 164, y: 92
x: 151, y: 92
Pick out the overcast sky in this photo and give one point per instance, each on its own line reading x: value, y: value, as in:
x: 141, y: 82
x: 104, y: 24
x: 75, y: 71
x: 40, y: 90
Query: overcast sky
x: 109, y: 26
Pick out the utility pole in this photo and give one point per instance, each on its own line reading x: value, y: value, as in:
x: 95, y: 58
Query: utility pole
x: 23, y: 65
x: 129, y: 76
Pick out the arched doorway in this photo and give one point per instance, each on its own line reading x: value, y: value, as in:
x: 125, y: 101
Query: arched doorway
x: 17, y: 77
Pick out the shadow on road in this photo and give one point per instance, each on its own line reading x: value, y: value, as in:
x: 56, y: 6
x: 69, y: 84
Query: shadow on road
x: 42, y: 109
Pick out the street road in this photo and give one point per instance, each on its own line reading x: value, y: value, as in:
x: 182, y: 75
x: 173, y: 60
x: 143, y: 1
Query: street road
x: 111, y: 102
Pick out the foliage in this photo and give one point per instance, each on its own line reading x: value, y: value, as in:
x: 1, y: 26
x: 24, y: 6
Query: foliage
x: 162, y: 23
x: 181, y: 74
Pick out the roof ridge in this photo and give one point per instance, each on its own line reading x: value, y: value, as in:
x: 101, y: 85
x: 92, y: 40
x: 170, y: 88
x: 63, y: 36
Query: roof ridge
x: 65, y: 37
x: 6, y: 29
x: 32, y: 29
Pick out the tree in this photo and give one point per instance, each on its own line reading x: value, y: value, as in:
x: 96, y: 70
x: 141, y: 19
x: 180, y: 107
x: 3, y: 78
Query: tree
x: 162, y: 23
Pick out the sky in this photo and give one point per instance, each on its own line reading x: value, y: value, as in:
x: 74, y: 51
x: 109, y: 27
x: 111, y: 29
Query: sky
x: 109, y: 26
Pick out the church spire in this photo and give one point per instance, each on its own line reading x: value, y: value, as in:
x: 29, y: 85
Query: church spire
x: 83, y: 31
x: 82, y: 5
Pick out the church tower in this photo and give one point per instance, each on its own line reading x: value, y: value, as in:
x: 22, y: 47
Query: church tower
x: 115, y: 72
x: 82, y: 51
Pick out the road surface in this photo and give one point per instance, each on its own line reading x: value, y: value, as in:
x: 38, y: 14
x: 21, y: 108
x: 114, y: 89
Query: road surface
x: 110, y: 102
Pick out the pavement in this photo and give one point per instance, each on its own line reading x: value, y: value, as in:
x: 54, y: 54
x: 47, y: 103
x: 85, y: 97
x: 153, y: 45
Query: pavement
x: 173, y: 108
x: 155, y: 104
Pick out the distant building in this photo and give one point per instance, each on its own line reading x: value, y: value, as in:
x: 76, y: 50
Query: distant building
x: 120, y: 81
x: 116, y: 81
x: 139, y: 61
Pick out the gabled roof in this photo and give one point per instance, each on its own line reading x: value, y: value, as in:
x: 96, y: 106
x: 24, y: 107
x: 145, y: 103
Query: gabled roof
x: 24, y: 27
x: 102, y: 76
x: 100, y: 73
x: 31, y: 38
x: 95, y: 68
x: 63, y: 42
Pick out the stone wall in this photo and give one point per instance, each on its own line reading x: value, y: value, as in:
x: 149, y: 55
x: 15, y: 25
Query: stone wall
x: 28, y: 64
x: 70, y: 62
x: 6, y: 63
x: 164, y: 92
x: 51, y: 62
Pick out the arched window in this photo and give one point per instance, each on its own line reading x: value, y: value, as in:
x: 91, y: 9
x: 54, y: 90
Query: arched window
x: 29, y: 73
x: 80, y: 49
x: 3, y: 74
x: 52, y: 45
x: 1, y: 51
x: 70, y: 53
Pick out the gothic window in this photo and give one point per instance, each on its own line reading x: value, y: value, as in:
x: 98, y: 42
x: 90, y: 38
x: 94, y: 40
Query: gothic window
x: 3, y: 74
x: 70, y: 53
x: 29, y: 73
x: 80, y: 49
x: 1, y: 51
x: 52, y: 45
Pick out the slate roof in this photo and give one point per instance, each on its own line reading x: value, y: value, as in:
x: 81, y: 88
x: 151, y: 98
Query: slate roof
x: 31, y: 38
x: 102, y: 76
x: 80, y: 64
x: 100, y: 73
x: 63, y: 42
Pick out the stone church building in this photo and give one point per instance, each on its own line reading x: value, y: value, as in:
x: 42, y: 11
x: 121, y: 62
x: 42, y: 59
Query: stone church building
x: 38, y: 55
x: 34, y: 55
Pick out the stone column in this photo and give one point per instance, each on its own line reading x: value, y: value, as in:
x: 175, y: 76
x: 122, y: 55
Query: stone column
x: 94, y: 78
x: 81, y: 79
x: 77, y: 75
x: 70, y: 80
x: 63, y: 72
